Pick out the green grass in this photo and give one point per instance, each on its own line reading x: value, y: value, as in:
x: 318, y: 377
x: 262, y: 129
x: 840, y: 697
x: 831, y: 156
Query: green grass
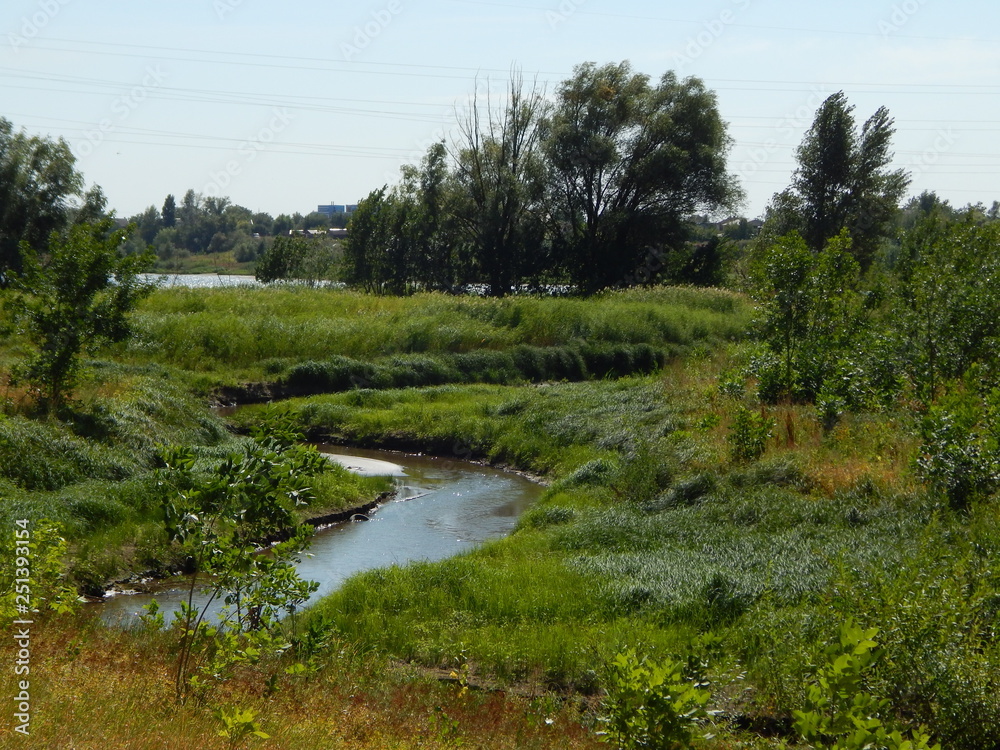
x: 253, y: 334
x: 648, y: 536
x: 94, y: 471
x: 543, y: 428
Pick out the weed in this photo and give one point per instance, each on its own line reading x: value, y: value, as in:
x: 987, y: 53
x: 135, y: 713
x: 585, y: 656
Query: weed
x: 652, y: 704
x: 239, y: 725
x: 749, y: 435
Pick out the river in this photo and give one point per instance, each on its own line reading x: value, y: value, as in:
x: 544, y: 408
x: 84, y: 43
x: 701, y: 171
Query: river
x: 443, y: 507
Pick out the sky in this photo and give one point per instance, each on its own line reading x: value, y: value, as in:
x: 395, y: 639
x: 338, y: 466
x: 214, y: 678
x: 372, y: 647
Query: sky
x: 282, y: 107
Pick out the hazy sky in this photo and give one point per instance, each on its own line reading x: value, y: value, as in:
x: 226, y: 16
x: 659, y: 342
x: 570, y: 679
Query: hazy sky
x: 285, y: 106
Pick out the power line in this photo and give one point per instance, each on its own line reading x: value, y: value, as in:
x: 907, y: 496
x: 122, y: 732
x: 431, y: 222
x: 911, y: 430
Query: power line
x: 733, y: 24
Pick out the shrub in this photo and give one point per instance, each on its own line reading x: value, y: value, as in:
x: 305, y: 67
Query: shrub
x: 749, y: 435
x: 652, y: 704
x: 840, y: 713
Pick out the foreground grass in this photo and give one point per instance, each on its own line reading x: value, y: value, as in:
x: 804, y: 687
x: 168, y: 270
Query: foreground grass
x: 95, y: 688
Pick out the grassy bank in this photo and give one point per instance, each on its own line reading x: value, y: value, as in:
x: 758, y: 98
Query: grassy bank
x: 235, y: 335
x: 94, y: 470
x: 651, y: 536
x: 665, y: 528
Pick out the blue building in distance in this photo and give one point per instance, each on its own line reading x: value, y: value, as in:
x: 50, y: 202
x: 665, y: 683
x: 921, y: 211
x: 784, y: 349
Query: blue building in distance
x: 335, y: 209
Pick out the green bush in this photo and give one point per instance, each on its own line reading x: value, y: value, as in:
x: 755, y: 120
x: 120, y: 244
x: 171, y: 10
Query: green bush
x: 749, y: 435
x: 652, y: 705
x: 840, y: 713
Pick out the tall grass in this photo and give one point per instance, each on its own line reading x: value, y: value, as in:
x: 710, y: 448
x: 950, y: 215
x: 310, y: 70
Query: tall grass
x: 244, y: 331
x: 94, y: 471
x: 108, y: 689
x: 548, y: 428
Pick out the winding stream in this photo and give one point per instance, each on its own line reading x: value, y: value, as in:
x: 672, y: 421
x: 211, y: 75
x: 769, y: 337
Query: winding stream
x: 443, y: 507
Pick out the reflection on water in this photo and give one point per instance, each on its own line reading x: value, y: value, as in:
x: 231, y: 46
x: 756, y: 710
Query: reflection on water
x: 443, y: 507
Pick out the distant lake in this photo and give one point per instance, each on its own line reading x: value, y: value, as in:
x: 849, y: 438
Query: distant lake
x: 200, y: 279
x: 213, y: 280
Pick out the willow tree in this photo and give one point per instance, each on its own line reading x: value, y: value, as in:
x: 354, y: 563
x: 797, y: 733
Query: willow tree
x: 629, y: 161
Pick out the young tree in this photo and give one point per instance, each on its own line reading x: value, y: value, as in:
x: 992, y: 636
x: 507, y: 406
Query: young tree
x: 781, y: 275
x: 78, y: 295
x: 825, y: 331
x: 220, y: 518
x: 431, y: 191
x: 296, y: 258
x: 946, y: 302
x: 378, y: 251
x: 629, y: 161
x: 843, y: 181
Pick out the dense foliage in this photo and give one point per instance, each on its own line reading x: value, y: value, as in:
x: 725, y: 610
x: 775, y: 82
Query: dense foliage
x: 595, y: 190
x: 78, y: 296
x: 843, y: 181
x: 41, y: 192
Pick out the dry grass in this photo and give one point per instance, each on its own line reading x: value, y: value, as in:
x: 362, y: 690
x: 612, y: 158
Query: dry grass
x: 875, y: 447
x: 94, y: 688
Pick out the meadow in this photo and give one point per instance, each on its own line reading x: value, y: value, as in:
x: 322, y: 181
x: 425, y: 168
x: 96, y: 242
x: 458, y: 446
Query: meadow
x: 235, y: 334
x: 658, y: 532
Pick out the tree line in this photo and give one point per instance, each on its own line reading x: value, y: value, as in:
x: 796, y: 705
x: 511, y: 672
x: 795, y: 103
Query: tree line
x: 584, y: 190
x: 868, y: 306
x: 863, y: 300
x: 200, y: 225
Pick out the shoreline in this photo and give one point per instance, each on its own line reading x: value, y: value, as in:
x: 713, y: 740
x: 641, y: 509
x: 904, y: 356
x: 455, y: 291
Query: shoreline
x: 139, y: 583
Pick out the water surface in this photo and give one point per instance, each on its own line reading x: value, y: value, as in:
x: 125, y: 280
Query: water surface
x: 443, y: 507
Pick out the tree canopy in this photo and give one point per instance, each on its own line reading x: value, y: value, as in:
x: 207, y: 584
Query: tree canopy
x: 41, y: 192
x: 629, y: 162
x: 843, y: 181
x: 593, y: 189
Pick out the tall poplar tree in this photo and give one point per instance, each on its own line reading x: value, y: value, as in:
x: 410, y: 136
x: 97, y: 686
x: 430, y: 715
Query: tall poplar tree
x: 843, y: 181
